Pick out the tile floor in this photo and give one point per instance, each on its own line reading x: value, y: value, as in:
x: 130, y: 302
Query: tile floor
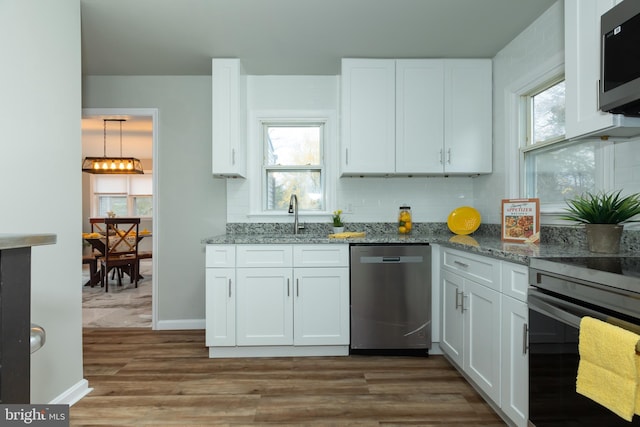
x: 122, y: 307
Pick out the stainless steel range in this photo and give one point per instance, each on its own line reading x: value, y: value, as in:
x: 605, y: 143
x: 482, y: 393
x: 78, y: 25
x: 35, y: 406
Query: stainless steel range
x: 562, y: 291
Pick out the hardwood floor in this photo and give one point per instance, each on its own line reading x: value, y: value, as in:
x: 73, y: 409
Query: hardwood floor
x: 144, y: 377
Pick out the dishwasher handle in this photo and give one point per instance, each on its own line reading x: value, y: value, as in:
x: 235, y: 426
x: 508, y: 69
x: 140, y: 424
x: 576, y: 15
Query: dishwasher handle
x: 403, y: 259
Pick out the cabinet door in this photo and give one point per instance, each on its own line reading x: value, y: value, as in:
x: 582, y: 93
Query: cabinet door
x: 220, y: 306
x: 515, y: 361
x: 264, y: 306
x: 321, y: 306
x: 228, y: 117
x: 451, y: 339
x: 368, y: 108
x: 468, y: 116
x: 582, y: 67
x: 482, y: 337
x: 419, y: 115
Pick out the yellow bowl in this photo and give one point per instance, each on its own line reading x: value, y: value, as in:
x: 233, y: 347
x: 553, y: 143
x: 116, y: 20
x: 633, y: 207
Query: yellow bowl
x: 464, y: 220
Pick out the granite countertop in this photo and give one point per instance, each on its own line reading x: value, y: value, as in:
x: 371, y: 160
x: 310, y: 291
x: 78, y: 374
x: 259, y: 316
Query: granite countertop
x: 14, y: 241
x: 482, y: 245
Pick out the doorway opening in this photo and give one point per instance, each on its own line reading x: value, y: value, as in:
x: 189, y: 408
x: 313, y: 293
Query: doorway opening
x: 121, y: 195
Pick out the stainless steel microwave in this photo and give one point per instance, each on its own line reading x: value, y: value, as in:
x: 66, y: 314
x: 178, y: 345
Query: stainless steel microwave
x: 620, y: 59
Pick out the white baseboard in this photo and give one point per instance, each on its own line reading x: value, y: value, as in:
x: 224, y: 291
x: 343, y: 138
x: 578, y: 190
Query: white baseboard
x: 73, y: 394
x: 167, y: 325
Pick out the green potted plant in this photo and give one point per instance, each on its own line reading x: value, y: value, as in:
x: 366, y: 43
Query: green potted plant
x: 338, y: 224
x: 603, y: 215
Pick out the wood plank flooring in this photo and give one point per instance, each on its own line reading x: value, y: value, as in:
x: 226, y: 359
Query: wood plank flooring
x: 144, y: 377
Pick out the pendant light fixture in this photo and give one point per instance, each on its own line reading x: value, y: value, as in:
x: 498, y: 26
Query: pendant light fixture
x: 112, y: 165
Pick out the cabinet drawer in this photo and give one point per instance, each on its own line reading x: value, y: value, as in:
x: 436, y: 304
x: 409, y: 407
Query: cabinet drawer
x: 515, y: 280
x: 321, y: 255
x: 481, y: 269
x: 264, y: 256
x: 220, y: 256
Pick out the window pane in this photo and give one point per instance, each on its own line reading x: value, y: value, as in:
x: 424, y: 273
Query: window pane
x: 293, y: 145
x: 556, y: 174
x: 116, y: 204
x: 305, y: 184
x: 548, y: 114
x: 143, y: 206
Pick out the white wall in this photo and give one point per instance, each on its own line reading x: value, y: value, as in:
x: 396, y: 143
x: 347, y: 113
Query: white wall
x: 522, y: 59
x: 362, y: 199
x: 40, y: 102
x: 191, y: 203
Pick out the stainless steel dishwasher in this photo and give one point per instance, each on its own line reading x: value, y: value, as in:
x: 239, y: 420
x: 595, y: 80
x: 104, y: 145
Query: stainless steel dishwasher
x: 391, y: 297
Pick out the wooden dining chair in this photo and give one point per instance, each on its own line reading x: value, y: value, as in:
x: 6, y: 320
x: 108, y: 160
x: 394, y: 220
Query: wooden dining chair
x: 121, y: 249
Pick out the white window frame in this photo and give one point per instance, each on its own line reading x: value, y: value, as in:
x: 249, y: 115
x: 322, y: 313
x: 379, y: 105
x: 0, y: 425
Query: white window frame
x: 255, y: 152
x: 515, y: 130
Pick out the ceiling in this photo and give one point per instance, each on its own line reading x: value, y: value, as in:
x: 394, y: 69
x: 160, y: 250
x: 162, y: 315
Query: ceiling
x: 290, y: 37
x: 278, y: 37
x: 137, y: 136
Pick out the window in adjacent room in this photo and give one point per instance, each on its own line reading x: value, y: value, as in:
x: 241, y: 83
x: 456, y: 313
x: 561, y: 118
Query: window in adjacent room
x: 554, y: 169
x: 293, y: 164
x: 125, y: 195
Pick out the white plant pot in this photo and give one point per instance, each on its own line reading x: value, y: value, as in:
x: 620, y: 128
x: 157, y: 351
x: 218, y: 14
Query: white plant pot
x: 337, y: 230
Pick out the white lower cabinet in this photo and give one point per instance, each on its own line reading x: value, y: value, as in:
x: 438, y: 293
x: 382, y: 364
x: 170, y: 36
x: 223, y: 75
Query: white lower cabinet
x: 321, y: 306
x: 264, y: 306
x: 515, y: 361
x: 515, y: 353
x: 484, y: 318
x: 482, y: 337
x: 220, y: 306
x: 470, y: 330
x: 452, y: 335
x: 271, y: 303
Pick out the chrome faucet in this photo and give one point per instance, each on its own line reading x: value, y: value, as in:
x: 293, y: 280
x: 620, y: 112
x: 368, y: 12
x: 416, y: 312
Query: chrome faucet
x: 293, y: 208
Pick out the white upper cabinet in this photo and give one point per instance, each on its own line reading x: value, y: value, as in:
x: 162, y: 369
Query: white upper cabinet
x: 416, y: 116
x: 582, y: 74
x: 368, y: 116
x: 419, y: 115
x: 468, y: 116
x: 229, y: 122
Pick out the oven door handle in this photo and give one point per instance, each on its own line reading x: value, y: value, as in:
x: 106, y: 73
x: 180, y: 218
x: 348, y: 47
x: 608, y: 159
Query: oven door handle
x: 561, y: 310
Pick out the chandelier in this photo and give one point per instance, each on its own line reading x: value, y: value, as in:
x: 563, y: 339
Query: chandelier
x: 112, y: 165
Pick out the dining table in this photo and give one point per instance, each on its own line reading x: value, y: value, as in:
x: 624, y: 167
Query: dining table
x: 98, y: 248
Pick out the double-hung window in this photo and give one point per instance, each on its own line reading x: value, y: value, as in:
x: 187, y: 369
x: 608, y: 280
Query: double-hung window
x: 554, y: 169
x: 293, y: 163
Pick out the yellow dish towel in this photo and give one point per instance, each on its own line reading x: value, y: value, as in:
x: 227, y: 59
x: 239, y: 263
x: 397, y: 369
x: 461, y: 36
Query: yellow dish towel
x: 608, y: 368
x: 347, y: 234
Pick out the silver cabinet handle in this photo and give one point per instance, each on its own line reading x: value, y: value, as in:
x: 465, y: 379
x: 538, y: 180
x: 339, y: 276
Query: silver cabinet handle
x: 525, y: 340
x: 457, y: 303
x: 441, y: 157
x: 297, y: 288
x: 449, y: 156
x: 462, y: 308
x: 233, y: 156
x: 346, y: 156
x: 229, y: 288
x: 461, y: 264
x: 288, y: 292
